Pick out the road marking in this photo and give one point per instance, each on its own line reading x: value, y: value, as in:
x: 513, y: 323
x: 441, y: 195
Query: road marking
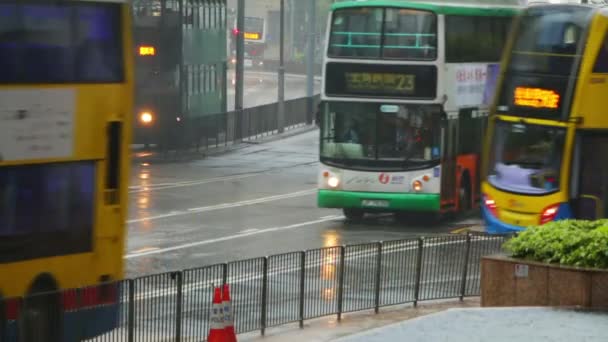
x: 162, y: 186
x: 248, y: 231
x: 226, y: 205
x: 231, y: 237
x: 327, y: 259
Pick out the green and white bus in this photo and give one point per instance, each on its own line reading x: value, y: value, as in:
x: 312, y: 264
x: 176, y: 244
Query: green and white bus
x: 406, y: 88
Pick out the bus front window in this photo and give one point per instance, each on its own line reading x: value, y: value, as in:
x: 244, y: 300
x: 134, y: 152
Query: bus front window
x: 526, y: 158
x: 366, y: 135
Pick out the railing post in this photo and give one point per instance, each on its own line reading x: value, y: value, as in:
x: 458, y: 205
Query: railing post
x: 80, y: 325
x: 465, y: 268
x: 378, y: 277
x: 418, y: 270
x: 341, y: 283
x: 302, y: 287
x: 3, y: 320
x: 178, y: 307
x: 131, y: 313
x: 224, y: 273
x: 264, y: 297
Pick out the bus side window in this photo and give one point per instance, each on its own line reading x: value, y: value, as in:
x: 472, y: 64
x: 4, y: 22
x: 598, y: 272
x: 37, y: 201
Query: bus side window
x: 601, y: 61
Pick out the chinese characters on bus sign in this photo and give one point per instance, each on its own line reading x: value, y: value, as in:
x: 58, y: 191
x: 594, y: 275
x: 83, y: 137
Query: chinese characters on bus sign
x: 37, y: 123
x: 380, y: 82
x: 536, y: 97
x: 252, y: 35
x: 146, y: 50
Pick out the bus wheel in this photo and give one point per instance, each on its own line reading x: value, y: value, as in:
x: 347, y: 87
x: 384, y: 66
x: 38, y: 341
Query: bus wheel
x: 353, y: 214
x: 40, y: 319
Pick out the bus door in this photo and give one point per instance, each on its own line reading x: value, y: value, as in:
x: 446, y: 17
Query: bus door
x: 592, y: 159
x: 448, y: 168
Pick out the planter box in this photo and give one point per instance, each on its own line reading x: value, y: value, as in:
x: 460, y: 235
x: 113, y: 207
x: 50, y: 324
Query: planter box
x: 514, y: 282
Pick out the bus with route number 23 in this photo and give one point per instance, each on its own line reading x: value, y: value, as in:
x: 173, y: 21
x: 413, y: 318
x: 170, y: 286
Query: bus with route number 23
x: 406, y: 88
x: 66, y: 107
x: 546, y: 155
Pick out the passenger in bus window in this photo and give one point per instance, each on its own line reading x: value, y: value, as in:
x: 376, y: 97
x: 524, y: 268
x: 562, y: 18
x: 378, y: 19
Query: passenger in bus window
x: 351, y: 134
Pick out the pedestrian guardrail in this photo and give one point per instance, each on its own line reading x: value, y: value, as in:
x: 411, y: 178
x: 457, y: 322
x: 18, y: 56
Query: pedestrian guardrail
x: 271, y: 291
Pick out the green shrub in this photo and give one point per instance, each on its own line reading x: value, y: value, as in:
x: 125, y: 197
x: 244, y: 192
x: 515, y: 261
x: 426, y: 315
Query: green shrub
x: 567, y: 242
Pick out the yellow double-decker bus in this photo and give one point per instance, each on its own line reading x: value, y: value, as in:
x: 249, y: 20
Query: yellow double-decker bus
x: 546, y: 153
x: 65, y: 125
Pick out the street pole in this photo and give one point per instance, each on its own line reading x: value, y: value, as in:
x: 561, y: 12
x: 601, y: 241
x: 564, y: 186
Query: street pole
x: 310, y: 60
x: 292, y: 20
x: 281, y: 95
x: 240, y: 71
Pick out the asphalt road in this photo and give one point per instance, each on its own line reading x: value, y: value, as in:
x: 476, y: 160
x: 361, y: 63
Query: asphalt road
x: 256, y: 201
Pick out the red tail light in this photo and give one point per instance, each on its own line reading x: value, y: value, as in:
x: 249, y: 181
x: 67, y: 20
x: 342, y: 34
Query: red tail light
x: 549, y: 213
x: 490, y: 204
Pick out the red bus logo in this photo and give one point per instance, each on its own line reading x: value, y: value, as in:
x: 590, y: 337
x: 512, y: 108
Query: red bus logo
x: 384, y: 178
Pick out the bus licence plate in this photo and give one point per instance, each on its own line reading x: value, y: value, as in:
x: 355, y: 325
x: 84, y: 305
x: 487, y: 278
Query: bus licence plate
x: 375, y: 203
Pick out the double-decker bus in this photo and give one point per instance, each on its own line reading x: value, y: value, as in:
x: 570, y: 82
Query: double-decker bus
x: 546, y: 155
x: 404, y: 104
x: 66, y: 93
x: 179, y: 80
x: 254, y: 36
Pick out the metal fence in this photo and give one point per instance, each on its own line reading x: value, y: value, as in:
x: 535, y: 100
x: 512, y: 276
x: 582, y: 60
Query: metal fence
x: 286, y: 288
x: 216, y: 130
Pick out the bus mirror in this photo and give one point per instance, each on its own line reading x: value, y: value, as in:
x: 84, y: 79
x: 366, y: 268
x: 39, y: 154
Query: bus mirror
x: 587, y: 207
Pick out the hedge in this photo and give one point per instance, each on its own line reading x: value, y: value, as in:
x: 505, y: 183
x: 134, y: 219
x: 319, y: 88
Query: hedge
x: 568, y: 242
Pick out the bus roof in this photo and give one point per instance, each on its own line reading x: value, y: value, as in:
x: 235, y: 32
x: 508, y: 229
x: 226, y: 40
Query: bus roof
x: 464, y: 9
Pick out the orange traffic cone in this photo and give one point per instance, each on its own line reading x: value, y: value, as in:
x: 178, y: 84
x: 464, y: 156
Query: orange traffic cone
x: 228, y: 316
x: 216, y: 323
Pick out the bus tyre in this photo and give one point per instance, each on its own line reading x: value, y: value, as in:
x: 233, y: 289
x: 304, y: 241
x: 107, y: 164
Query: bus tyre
x: 40, y: 320
x: 353, y: 214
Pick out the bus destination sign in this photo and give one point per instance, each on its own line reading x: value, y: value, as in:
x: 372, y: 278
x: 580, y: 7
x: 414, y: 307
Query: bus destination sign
x: 536, y: 98
x: 386, y: 81
x: 252, y: 35
x: 380, y: 82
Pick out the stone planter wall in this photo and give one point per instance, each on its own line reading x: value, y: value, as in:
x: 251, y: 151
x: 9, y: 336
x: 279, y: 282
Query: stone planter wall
x: 514, y: 282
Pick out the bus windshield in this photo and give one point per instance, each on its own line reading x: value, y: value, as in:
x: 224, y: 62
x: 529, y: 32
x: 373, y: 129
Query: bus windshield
x: 387, y: 33
x: 526, y: 158
x: 376, y: 135
x: 254, y: 25
x: 72, y: 42
x: 545, y: 54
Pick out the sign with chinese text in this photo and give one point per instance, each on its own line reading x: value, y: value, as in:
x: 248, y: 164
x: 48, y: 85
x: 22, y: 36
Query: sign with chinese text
x: 252, y: 35
x: 536, y: 97
x: 380, y: 82
x: 147, y: 50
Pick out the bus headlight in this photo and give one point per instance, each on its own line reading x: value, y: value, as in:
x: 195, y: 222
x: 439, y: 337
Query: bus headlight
x: 417, y: 186
x: 333, y: 182
x: 146, y: 117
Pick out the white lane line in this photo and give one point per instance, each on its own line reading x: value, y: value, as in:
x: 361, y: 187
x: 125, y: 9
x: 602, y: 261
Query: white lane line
x: 226, y: 205
x: 162, y: 186
x: 324, y: 260
x: 248, y: 231
x: 231, y: 237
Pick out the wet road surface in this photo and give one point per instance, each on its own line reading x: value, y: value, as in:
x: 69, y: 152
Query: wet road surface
x: 252, y: 202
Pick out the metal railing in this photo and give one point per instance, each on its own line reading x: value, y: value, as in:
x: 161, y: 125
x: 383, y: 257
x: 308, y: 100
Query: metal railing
x: 280, y: 289
x: 216, y: 130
